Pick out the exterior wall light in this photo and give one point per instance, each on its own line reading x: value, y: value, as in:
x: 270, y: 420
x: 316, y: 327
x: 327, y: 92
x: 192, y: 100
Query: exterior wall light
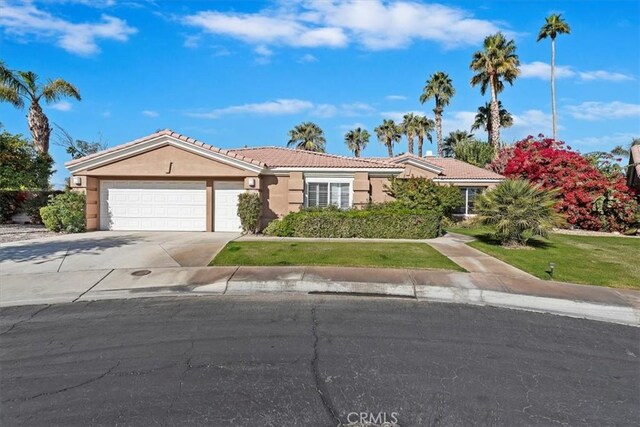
x: 77, y: 181
x: 252, y: 182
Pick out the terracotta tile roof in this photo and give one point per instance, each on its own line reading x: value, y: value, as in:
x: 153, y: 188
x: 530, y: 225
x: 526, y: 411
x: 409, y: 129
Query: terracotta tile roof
x: 286, y: 157
x: 451, y: 168
x: 168, y: 132
x: 457, y: 169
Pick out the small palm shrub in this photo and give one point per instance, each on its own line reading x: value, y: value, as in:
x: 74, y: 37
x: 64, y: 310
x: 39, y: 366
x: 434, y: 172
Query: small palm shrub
x: 518, y: 210
x: 65, y: 213
x: 249, y: 208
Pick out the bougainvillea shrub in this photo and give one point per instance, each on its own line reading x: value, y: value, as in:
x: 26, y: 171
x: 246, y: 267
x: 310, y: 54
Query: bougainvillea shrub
x: 588, y: 198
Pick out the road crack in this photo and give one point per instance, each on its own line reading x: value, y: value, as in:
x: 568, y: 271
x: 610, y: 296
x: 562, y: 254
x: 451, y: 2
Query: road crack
x: 320, y: 384
x: 26, y: 320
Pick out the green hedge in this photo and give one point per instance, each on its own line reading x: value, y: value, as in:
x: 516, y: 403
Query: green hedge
x: 368, y: 223
x: 65, y: 213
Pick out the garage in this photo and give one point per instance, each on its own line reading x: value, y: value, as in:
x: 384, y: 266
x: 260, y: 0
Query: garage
x: 226, y: 205
x: 153, y: 205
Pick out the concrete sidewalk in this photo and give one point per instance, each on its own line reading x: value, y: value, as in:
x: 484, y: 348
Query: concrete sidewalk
x: 526, y: 293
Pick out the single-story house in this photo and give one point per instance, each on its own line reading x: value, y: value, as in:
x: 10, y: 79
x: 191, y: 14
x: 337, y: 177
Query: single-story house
x: 167, y: 181
x: 633, y: 172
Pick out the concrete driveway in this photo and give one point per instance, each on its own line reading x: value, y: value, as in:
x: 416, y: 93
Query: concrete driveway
x: 67, y: 266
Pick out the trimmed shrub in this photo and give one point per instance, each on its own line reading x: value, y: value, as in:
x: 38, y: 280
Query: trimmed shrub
x: 425, y: 195
x: 374, y: 222
x: 249, y: 208
x: 10, y: 203
x: 65, y: 213
x: 34, y: 202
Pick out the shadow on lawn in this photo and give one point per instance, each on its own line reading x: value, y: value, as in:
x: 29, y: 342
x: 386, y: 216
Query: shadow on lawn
x: 536, y: 242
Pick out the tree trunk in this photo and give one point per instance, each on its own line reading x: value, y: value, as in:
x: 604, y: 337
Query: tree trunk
x: 410, y: 143
x: 553, y: 87
x: 420, y: 144
x: 390, y: 148
x: 39, y: 127
x: 438, y: 113
x: 495, y: 117
x: 357, y: 151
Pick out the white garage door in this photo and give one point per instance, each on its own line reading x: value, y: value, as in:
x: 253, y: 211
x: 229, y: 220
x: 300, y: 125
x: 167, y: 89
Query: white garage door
x: 153, y: 205
x: 226, y: 205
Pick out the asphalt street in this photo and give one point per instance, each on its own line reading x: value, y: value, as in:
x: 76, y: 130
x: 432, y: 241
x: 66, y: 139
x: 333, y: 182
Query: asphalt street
x: 318, y: 361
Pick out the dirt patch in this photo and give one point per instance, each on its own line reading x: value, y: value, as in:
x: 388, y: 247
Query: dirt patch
x: 17, y: 232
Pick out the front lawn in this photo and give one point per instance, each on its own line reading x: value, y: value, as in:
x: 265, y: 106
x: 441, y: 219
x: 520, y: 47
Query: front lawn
x: 345, y: 254
x: 605, y: 261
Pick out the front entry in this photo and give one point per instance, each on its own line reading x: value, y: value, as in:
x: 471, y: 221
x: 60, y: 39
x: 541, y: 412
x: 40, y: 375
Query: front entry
x: 226, y: 205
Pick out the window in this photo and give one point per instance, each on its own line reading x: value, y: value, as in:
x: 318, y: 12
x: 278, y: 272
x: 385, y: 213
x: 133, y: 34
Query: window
x: 323, y: 193
x: 469, y: 195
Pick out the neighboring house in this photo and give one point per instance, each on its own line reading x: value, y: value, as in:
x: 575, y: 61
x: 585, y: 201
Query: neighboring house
x: 167, y: 181
x: 633, y: 173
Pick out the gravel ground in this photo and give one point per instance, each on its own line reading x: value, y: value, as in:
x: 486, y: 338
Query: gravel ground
x: 16, y: 232
x: 590, y: 233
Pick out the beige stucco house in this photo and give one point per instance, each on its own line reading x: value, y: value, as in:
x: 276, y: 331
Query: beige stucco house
x: 167, y: 181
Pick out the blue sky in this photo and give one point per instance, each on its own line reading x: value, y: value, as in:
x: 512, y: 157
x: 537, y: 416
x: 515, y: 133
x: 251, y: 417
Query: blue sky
x: 244, y: 73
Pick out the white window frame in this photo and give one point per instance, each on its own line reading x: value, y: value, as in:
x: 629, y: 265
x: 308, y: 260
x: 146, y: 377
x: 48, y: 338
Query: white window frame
x: 328, y: 181
x: 466, y: 198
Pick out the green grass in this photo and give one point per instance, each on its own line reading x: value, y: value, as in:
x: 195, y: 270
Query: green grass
x: 347, y: 254
x: 594, y: 260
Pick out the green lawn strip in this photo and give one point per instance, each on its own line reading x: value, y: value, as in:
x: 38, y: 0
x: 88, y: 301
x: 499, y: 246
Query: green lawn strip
x: 347, y: 254
x: 594, y: 260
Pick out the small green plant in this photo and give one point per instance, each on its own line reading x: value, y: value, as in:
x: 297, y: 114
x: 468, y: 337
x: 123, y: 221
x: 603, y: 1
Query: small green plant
x: 249, y: 208
x: 65, y: 213
x: 518, y: 210
x: 424, y: 194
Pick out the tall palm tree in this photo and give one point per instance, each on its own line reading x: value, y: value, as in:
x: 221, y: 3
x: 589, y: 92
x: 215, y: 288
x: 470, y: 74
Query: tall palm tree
x: 307, y: 136
x: 356, y: 140
x: 554, y: 25
x: 440, y: 88
x: 495, y: 64
x: 424, y: 127
x: 483, y: 118
x: 389, y: 133
x: 409, y: 127
x: 456, y: 137
x: 18, y: 86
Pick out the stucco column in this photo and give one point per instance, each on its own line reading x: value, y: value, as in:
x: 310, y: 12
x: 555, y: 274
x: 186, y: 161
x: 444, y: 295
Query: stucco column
x: 361, y: 189
x: 90, y: 187
x: 210, y: 204
x: 296, y: 191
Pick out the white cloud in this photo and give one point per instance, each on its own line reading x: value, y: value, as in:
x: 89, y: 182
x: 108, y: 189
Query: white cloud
x: 533, y: 122
x: 289, y: 107
x: 106, y: 114
x: 454, y: 120
x: 150, y: 113
x: 374, y: 24
x: 62, y: 106
x: 542, y: 70
x: 395, y: 97
x: 192, y: 41
x: 25, y: 19
x: 263, y: 51
x: 593, y: 111
x: 307, y: 58
x: 602, y: 142
x: 604, y: 75
x: 269, y: 108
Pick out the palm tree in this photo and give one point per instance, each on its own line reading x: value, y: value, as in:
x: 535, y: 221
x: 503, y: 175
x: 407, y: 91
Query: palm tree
x: 440, y: 88
x: 307, y: 136
x: 389, y: 133
x: 456, y: 137
x: 356, y: 140
x: 554, y: 25
x: 495, y: 64
x: 517, y: 210
x: 409, y: 127
x: 18, y: 86
x: 483, y: 118
x: 424, y: 127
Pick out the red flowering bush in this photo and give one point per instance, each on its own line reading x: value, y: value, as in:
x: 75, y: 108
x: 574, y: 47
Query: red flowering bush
x: 588, y: 198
